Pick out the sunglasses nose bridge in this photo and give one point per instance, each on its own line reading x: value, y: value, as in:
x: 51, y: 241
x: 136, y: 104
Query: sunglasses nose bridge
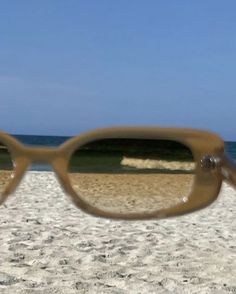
x: 42, y: 154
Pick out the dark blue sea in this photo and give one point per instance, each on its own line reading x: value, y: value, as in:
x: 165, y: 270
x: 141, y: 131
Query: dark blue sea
x: 57, y: 140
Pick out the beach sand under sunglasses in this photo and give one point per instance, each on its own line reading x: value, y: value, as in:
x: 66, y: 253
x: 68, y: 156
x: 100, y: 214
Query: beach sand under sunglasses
x: 128, y: 172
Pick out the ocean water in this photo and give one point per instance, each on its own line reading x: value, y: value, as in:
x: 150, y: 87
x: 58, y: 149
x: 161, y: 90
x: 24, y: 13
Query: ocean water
x: 230, y: 147
x: 41, y: 140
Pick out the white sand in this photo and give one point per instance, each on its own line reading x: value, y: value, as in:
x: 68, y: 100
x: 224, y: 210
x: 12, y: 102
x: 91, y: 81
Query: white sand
x: 50, y: 246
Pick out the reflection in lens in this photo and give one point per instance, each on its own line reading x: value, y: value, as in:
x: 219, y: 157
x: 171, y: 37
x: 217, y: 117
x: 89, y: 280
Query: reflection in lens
x: 132, y: 175
x: 6, y: 167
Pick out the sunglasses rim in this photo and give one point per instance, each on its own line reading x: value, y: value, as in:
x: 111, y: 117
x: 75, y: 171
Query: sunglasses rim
x: 206, y: 185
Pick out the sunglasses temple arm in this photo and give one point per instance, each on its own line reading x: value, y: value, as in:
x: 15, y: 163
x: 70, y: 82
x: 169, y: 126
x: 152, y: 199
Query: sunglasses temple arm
x: 228, y: 170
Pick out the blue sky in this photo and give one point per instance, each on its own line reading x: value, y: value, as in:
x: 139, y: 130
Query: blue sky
x: 71, y: 66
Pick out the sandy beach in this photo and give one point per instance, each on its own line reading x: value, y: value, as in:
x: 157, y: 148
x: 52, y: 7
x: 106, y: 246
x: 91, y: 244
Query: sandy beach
x: 50, y: 246
x: 130, y: 193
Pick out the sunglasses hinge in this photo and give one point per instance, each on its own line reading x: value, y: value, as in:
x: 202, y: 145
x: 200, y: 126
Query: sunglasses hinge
x: 210, y: 162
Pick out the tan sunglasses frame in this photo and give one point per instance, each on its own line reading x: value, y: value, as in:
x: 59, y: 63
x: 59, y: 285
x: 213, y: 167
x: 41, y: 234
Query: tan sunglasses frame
x: 207, y: 182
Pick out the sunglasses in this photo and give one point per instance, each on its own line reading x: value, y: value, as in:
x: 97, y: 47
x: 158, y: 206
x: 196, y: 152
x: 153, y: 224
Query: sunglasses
x: 129, y: 172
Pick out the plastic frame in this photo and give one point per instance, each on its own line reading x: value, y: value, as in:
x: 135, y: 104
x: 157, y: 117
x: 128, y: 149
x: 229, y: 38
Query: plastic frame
x: 207, y: 182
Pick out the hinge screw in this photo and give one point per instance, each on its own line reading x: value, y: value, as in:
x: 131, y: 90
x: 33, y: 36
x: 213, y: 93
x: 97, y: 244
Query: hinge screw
x: 209, y: 162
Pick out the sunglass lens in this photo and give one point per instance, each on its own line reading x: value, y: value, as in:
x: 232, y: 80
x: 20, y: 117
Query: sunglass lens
x: 6, y: 167
x: 128, y: 176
